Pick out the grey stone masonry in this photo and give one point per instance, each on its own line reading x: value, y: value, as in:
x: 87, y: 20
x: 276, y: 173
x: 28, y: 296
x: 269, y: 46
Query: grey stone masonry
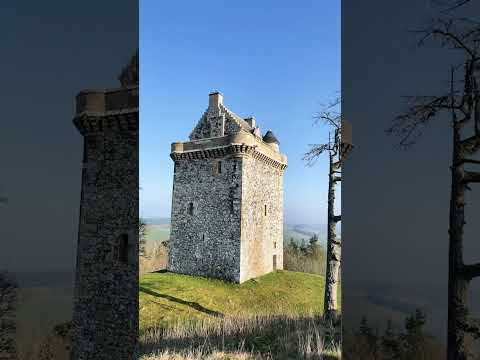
x: 105, y: 319
x: 227, y: 203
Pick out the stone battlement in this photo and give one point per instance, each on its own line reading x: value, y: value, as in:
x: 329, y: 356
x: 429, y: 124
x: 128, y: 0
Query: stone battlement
x: 241, y: 142
x: 115, y: 109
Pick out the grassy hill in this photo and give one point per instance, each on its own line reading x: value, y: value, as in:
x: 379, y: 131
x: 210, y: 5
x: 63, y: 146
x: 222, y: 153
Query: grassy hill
x: 166, y: 298
x: 279, y: 313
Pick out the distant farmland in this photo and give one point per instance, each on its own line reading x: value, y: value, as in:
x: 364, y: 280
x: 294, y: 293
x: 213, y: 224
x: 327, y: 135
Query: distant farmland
x: 159, y: 230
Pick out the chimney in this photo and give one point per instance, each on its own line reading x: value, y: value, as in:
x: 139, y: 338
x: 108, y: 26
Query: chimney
x: 215, y: 99
x: 251, y: 121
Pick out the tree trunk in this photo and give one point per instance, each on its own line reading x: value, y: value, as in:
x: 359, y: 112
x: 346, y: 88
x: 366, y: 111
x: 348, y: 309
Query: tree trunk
x: 457, y: 282
x: 333, y: 250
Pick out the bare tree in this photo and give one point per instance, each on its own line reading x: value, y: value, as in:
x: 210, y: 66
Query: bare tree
x: 461, y: 105
x: 331, y: 116
x: 8, y: 302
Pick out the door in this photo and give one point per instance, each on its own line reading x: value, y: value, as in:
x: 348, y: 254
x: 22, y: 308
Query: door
x: 274, y: 262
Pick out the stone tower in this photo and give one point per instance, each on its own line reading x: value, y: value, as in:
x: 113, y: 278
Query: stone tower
x: 105, y: 319
x: 227, y: 205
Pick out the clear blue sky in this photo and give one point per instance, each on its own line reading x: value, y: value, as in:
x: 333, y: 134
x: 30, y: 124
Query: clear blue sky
x: 275, y: 60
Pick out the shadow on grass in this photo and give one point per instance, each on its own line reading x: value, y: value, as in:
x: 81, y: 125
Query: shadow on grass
x: 277, y: 337
x: 193, y: 305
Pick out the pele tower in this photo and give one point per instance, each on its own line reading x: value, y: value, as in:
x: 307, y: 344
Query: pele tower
x: 105, y: 319
x: 227, y: 205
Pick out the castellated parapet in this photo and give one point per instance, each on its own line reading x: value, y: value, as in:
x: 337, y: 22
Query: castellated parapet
x: 227, y: 204
x: 105, y: 317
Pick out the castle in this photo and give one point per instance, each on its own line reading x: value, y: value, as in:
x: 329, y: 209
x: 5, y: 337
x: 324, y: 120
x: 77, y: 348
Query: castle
x: 105, y: 317
x: 227, y: 204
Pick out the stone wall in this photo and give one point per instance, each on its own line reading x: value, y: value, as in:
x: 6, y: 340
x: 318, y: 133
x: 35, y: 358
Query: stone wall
x: 105, y: 322
x: 206, y: 241
x: 262, y: 229
x: 214, y: 123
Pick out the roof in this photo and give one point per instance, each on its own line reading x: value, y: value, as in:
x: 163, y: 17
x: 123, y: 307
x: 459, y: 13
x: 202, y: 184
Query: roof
x: 243, y: 124
x: 129, y: 74
x: 270, y: 138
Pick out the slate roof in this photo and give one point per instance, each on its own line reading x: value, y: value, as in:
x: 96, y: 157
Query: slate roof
x: 270, y: 138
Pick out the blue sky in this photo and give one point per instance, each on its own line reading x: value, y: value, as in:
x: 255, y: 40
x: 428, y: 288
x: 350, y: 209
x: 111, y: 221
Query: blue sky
x: 275, y: 60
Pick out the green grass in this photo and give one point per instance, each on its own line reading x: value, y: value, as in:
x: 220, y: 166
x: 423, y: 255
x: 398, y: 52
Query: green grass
x: 166, y: 298
x: 278, y: 314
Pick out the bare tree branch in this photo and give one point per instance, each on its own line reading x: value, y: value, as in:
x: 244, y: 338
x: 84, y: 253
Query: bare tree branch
x: 315, y: 151
x: 471, y: 177
x: 450, y: 6
x: 471, y: 271
x: 330, y: 113
x: 408, y: 126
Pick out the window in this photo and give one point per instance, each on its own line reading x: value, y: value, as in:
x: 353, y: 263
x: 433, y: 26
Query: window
x: 275, y: 245
x: 190, y: 208
x: 219, y: 167
x: 120, y: 251
x: 232, y: 208
x: 265, y: 209
x: 203, y: 237
x: 234, y: 166
x: 85, y: 153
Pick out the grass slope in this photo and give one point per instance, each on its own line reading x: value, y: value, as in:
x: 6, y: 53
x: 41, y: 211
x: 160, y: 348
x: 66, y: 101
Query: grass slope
x: 166, y: 298
x: 278, y: 315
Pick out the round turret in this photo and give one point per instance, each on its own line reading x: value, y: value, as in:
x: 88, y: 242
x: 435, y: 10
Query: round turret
x: 271, y: 140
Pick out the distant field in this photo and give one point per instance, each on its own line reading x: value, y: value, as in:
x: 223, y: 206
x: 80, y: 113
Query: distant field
x: 157, y: 233
x: 158, y: 229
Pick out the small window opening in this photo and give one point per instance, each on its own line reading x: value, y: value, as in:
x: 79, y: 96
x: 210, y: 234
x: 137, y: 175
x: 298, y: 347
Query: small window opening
x: 219, y: 167
x: 265, y: 209
x: 85, y: 153
x: 234, y: 166
x: 123, y: 249
x: 275, y: 245
x: 203, y: 237
x: 231, y: 206
x: 190, y: 208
